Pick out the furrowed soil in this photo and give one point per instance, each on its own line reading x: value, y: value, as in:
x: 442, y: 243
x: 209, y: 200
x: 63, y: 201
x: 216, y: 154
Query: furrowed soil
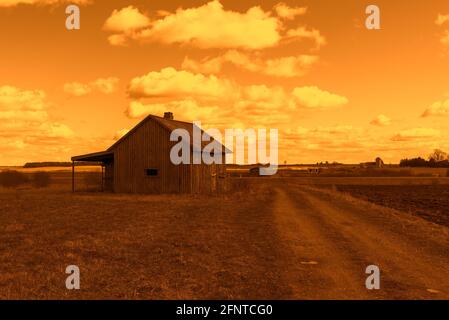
x: 430, y: 202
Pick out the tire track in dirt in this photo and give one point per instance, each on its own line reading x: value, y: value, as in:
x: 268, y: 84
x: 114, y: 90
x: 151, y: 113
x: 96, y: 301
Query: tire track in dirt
x: 408, y: 270
x: 318, y: 268
x: 362, y: 236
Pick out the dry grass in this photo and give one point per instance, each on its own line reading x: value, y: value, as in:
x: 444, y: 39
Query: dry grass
x: 150, y: 247
x: 135, y: 246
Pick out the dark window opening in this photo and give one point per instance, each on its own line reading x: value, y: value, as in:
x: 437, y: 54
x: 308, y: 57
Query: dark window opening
x: 152, y: 172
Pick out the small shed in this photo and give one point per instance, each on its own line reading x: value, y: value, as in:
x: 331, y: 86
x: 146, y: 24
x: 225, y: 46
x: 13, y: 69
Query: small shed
x: 139, y: 162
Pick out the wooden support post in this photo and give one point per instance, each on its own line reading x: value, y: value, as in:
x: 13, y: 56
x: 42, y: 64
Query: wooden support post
x: 102, y: 177
x: 73, y: 176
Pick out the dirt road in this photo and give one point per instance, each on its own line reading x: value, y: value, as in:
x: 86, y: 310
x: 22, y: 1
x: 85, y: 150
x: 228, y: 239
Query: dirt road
x: 333, y: 238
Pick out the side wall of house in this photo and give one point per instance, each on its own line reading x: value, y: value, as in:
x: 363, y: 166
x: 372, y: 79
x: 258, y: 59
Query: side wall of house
x: 148, y: 147
x: 209, y: 179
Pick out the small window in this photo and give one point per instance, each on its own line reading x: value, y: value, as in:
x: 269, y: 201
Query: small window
x: 152, y: 172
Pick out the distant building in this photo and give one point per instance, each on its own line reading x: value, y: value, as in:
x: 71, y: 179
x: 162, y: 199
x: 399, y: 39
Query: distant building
x: 378, y: 163
x: 314, y: 170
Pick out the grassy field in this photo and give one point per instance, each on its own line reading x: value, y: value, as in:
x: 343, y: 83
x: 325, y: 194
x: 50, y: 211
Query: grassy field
x: 178, y: 246
x: 87, y: 178
x: 134, y: 246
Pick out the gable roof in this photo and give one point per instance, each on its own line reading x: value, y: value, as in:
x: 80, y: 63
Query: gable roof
x: 95, y: 157
x: 168, y: 125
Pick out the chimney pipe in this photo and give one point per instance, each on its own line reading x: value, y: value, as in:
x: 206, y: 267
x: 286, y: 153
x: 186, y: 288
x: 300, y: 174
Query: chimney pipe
x: 168, y: 115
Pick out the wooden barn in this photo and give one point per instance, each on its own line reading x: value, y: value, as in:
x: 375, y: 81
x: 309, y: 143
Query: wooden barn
x: 140, y: 162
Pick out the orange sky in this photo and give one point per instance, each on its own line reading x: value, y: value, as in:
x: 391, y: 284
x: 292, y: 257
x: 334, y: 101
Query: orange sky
x: 335, y: 90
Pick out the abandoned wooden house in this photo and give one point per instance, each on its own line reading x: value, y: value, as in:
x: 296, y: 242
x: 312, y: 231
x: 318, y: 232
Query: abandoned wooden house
x: 139, y: 162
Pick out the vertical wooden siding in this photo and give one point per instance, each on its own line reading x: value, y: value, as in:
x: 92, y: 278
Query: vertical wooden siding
x: 149, y: 147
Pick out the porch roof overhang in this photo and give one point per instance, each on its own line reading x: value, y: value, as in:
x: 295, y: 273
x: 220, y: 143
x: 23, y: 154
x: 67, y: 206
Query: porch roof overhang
x: 102, y: 156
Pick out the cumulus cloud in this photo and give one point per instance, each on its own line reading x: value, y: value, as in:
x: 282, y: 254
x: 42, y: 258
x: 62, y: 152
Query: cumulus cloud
x: 440, y: 108
x: 28, y: 132
x: 170, y: 82
x: 416, y: 134
x: 25, y: 121
x: 301, y: 33
x: 220, y: 101
x: 13, y: 3
x: 293, y: 66
x: 77, y: 89
x: 445, y: 38
x: 290, y: 13
x: 119, y: 40
x: 12, y: 98
x: 103, y: 85
x: 210, y: 26
x: 184, y: 109
x: 125, y: 20
x: 337, y: 140
x: 313, y: 97
x: 381, y: 121
x: 54, y: 130
x: 442, y: 19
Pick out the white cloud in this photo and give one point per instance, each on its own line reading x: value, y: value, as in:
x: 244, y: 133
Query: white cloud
x: 172, y: 83
x: 313, y: 97
x: 445, y: 38
x: 210, y: 26
x: 442, y: 19
x: 118, y: 40
x: 183, y: 109
x: 23, y: 115
x: 336, y: 140
x: 13, y: 3
x: 440, y: 108
x: 126, y: 19
x: 290, y: 13
x: 77, y: 89
x: 381, y: 121
x: 103, y: 85
x: 416, y: 134
x: 293, y: 66
x: 26, y: 124
x: 55, y: 130
x: 12, y: 98
x: 301, y: 33
x: 220, y: 101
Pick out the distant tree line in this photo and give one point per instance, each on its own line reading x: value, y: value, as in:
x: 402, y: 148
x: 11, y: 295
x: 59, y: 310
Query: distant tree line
x: 58, y: 164
x: 438, y: 159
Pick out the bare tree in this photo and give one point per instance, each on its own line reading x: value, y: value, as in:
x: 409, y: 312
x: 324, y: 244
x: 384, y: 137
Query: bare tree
x: 438, y: 155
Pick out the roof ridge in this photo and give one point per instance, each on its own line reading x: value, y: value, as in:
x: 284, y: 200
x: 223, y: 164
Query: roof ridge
x: 162, y: 122
x: 162, y: 118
